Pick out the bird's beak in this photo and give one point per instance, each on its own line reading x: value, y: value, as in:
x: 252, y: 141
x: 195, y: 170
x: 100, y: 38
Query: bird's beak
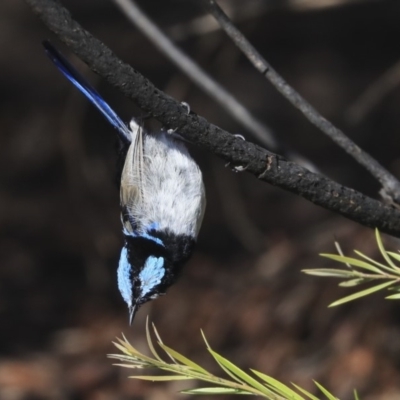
x: 132, y: 312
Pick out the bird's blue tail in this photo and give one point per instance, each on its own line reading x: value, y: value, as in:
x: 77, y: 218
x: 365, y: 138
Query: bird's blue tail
x: 89, y: 91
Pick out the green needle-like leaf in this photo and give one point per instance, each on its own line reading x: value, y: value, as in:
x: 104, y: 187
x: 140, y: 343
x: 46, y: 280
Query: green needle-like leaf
x: 182, y: 359
x: 329, y: 395
x: 133, y: 364
x: 150, y: 342
x: 393, y: 297
x: 161, y: 378
x: 353, y: 282
x: 239, y: 373
x: 396, y: 256
x: 215, y: 390
x: 330, y: 272
x: 122, y: 348
x: 305, y: 392
x: 363, y: 293
x: 353, y: 261
x: 372, y: 261
x: 278, y: 387
x: 384, y: 253
x: 226, y: 370
x: 363, y: 271
x: 160, y: 343
x: 181, y: 368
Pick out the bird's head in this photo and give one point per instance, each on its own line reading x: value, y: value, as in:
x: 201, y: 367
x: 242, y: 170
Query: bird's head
x: 149, y: 265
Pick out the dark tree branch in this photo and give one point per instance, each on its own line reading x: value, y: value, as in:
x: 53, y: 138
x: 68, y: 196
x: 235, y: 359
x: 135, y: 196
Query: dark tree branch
x: 263, y: 164
x: 204, y: 81
x: 390, y: 184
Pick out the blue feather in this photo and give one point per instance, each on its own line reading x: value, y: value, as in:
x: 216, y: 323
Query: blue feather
x: 151, y: 227
x: 153, y: 238
x: 93, y: 96
x: 146, y: 235
x: 124, y: 280
x: 152, y: 273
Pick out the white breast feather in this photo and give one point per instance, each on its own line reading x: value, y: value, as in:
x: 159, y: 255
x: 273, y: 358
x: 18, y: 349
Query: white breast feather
x: 162, y: 184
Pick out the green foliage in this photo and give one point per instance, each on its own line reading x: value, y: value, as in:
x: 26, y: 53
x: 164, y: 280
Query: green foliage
x: 364, y: 270
x: 356, y: 271
x: 180, y: 367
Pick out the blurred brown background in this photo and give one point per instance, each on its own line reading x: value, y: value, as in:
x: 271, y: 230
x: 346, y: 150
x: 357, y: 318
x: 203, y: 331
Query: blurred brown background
x: 59, y: 220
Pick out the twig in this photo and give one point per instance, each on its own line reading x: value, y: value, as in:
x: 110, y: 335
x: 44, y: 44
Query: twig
x: 196, y: 74
x: 207, y: 83
x: 261, y: 163
x: 242, y: 11
x: 390, y: 185
x: 306, y: 5
x: 374, y: 94
x: 204, y: 24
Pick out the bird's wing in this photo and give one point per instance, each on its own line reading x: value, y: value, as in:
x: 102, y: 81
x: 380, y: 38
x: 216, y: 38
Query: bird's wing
x: 132, y: 188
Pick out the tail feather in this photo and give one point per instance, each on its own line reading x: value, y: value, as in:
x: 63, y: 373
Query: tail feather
x: 93, y: 96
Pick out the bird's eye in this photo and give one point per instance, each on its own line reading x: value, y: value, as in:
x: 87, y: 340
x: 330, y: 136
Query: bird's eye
x: 124, y: 281
x: 151, y: 274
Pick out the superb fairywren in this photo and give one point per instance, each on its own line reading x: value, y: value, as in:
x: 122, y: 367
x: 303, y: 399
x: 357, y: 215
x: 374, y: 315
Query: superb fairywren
x: 162, y: 200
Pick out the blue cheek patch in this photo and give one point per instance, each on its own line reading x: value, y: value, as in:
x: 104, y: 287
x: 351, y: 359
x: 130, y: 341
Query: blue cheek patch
x: 151, y: 274
x: 124, y: 281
